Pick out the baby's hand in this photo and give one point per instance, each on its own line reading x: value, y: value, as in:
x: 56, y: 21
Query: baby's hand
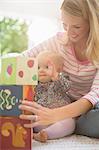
x: 52, y: 72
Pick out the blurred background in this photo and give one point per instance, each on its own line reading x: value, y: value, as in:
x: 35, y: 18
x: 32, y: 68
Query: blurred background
x: 25, y: 23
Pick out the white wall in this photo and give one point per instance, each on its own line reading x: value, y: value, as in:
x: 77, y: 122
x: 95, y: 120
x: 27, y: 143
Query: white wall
x: 28, y: 8
x: 43, y: 15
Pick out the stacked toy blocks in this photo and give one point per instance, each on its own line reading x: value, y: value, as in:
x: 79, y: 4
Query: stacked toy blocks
x: 18, y: 77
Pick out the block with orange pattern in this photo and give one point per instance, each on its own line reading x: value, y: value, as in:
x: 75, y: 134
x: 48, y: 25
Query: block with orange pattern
x: 13, y: 134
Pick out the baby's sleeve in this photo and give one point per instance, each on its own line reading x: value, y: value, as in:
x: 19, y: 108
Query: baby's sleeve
x: 63, y: 83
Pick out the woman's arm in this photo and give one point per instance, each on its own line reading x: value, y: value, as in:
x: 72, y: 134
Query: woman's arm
x: 46, y: 116
x: 51, y: 44
x: 93, y: 94
x: 75, y: 109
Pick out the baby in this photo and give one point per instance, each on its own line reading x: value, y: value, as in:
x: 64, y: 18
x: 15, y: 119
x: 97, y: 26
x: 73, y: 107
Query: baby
x: 52, y: 92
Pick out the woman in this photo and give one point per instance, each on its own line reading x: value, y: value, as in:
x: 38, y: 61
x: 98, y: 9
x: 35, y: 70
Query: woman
x: 79, y: 46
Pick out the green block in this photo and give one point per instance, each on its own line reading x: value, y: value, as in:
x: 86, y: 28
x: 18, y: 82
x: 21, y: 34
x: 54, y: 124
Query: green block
x: 8, y: 71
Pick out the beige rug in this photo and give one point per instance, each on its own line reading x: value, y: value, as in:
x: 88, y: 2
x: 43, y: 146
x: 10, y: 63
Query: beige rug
x: 74, y: 142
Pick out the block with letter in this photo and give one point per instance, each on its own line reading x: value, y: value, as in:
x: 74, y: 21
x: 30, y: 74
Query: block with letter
x: 13, y: 135
x: 18, y: 71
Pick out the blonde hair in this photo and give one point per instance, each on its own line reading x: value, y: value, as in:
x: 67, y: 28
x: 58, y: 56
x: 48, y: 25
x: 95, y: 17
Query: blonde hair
x: 56, y: 58
x: 89, y: 10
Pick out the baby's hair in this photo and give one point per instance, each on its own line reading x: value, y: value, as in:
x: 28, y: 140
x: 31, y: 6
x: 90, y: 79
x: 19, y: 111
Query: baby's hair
x: 56, y: 58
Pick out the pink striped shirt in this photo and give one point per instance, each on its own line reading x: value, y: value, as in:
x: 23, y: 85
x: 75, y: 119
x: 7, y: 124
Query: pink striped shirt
x: 84, y: 75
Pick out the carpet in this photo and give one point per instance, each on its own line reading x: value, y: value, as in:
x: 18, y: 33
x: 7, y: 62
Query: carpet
x: 73, y: 142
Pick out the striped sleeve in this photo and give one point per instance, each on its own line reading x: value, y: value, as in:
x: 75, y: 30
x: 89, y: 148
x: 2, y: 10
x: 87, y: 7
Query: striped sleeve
x: 52, y: 44
x: 93, y: 95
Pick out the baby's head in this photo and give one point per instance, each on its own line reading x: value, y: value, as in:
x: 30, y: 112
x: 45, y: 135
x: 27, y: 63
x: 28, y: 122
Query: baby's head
x: 45, y: 59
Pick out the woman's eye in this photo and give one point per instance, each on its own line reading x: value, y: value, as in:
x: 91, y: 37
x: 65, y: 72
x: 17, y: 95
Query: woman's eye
x: 77, y: 27
x: 38, y: 67
x: 64, y: 26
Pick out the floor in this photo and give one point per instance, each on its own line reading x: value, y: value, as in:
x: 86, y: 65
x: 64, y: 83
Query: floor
x: 73, y: 142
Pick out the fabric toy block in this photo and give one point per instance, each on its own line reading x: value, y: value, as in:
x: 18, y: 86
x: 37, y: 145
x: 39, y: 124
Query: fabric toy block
x: 28, y: 94
x: 27, y: 71
x: 18, y: 70
x: 10, y: 97
x: 8, y: 71
x: 13, y: 134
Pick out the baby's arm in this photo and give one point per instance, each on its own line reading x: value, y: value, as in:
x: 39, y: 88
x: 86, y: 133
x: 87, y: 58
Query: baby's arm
x: 62, y: 82
x: 61, y: 79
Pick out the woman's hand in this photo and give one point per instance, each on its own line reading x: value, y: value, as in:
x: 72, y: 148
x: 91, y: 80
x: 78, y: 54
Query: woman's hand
x: 42, y: 115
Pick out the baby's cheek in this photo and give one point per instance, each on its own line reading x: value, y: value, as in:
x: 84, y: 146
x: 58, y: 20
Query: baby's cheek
x: 49, y: 73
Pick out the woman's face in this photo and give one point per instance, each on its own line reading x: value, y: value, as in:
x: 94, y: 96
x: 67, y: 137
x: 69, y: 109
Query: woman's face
x: 77, y: 28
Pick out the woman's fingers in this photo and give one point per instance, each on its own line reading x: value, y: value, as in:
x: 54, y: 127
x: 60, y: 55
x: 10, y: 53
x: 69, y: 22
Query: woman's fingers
x: 43, y: 116
x: 33, y: 118
x: 32, y: 104
x: 30, y: 109
x: 27, y: 117
x: 32, y: 125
